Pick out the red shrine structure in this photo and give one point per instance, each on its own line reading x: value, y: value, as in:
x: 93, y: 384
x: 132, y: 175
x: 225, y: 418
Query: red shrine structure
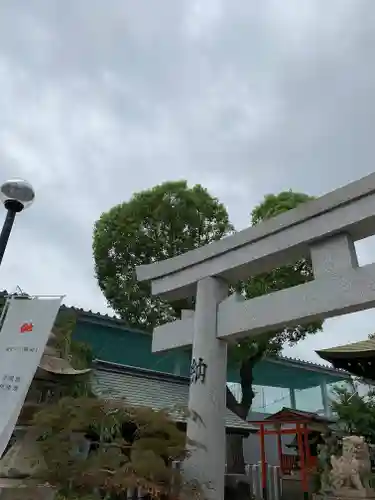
x: 308, y: 429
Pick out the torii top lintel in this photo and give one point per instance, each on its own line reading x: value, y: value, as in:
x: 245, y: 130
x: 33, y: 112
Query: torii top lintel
x: 278, y: 241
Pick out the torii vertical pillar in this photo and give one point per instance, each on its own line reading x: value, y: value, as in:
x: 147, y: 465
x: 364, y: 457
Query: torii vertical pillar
x: 207, y: 396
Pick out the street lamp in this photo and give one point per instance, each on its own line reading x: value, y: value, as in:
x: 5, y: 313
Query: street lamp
x: 16, y: 194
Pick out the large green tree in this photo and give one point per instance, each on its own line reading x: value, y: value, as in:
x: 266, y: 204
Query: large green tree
x: 171, y: 219
x: 155, y: 224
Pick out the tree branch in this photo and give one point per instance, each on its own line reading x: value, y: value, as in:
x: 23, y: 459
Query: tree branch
x: 241, y: 409
x: 232, y: 403
x: 247, y: 379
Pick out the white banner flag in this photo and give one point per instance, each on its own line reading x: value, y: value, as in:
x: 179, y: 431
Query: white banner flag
x: 23, y: 337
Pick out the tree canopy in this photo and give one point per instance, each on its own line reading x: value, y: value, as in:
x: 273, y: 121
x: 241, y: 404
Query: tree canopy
x: 281, y: 277
x: 171, y: 219
x: 155, y: 224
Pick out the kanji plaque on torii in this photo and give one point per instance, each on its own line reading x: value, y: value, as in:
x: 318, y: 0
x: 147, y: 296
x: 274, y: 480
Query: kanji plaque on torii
x: 324, y: 230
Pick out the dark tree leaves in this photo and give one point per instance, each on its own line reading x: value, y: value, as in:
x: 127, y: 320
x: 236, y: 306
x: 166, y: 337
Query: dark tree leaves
x: 162, y: 222
x: 278, y: 279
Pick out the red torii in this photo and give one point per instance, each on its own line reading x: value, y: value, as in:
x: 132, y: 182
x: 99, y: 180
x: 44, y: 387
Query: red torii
x: 302, y: 423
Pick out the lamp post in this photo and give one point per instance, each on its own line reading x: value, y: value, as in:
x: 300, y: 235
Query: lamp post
x: 16, y: 195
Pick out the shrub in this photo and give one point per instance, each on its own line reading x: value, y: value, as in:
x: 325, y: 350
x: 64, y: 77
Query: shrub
x: 94, y: 448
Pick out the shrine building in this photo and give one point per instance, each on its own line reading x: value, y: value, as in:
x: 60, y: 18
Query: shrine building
x: 357, y: 358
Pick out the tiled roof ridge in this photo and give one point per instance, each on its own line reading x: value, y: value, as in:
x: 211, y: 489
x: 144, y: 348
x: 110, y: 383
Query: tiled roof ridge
x: 103, y: 317
x: 359, y: 345
x: 307, y: 363
x: 141, y: 372
x: 92, y: 313
x: 302, y: 413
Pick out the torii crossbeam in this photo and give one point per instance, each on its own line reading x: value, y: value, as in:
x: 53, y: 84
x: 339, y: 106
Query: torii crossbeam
x: 324, y: 230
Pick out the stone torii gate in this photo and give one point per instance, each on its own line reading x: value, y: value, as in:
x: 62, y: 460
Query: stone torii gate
x: 324, y: 230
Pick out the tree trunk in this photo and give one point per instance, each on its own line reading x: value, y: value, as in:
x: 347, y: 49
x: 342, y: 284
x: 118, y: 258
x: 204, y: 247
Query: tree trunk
x: 234, y: 452
x: 235, y: 457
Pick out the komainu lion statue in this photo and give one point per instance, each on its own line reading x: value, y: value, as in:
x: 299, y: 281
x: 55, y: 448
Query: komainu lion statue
x: 350, y: 474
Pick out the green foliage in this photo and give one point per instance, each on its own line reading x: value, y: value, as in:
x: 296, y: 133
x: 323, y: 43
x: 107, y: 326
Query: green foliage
x: 155, y: 224
x: 356, y: 413
x: 129, y: 447
x: 248, y: 352
x: 78, y: 354
x: 274, y: 205
x: 281, y: 277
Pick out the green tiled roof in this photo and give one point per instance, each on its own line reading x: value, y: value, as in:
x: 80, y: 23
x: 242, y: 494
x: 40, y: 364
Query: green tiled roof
x: 364, y: 347
x: 147, y: 388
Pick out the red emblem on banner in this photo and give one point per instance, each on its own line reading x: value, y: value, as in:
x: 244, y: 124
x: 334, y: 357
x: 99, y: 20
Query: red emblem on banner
x: 26, y: 327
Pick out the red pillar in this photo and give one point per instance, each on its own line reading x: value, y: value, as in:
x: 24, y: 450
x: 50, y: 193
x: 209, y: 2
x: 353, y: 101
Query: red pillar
x: 280, y: 448
x: 263, y: 462
x: 305, y: 487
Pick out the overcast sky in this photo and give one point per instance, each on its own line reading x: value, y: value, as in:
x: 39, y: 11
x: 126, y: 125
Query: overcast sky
x: 103, y: 98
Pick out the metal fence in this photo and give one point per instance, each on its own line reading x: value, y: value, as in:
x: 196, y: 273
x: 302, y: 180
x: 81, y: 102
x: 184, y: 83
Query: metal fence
x: 137, y: 494
x: 273, y: 484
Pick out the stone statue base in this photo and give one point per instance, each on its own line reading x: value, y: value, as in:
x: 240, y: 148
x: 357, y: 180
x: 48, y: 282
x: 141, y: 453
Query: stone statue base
x: 346, y: 494
x: 16, y: 490
x: 349, y: 477
x: 27, y: 494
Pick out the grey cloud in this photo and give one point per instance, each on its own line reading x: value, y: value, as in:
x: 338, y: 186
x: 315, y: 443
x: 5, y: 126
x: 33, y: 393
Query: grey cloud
x: 100, y: 99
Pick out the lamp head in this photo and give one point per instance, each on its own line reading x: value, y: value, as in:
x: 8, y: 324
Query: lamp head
x: 17, y: 194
